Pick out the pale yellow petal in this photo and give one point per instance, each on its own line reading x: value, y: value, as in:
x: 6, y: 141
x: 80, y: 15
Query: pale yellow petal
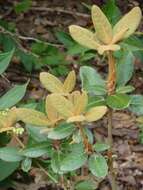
x: 101, y: 24
x: 78, y: 118
x: 63, y: 106
x: 95, y: 113
x: 69, y: 82
x: 81, y: 103
x: 112, y: 47
x: 131, y: 21
x: 31, y: 116
x: 83, y: 37
x: 51, y: 83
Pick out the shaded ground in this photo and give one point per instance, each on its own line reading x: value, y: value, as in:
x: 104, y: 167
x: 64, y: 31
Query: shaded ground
x: 41, y: 22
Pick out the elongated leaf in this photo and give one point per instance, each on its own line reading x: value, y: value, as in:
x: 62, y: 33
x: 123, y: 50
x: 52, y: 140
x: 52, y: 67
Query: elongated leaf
x: 13, y: 96
x: 26, y: 164
x: 33, y: 117
x: 86, y: 185
x: 118, y: 101
x: 52, y: 113
x: 69, y: 82
x: 51, y: 83
x: 81, y: 103
x: 95, y: 113
x: 98, y: 166
x: 131, y: 21
x: 62, y: 131
x: 126, y: 62
x: 100, y: 147
x: 83, y: 37
x: 10, y: 154
x: 125, y: 89
x: 73, y: 161
x: 104, y: 48
x: 5, y: 59
x: 7, y: 168
x: 101, y: 24
x: 36, y: 150
x: 62, y: 105
x: 136, y: 105
x: 90, y: 79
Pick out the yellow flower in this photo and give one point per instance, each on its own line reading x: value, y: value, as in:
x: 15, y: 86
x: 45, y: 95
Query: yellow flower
x: 73, y: 109
x: 105, y: 38
x: 54, y: 85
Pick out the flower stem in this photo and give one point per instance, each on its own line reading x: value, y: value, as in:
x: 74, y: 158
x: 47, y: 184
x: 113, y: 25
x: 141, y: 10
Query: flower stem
x: 111, y: 83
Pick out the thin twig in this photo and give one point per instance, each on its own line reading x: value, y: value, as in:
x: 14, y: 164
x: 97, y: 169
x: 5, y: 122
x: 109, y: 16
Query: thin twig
x: 59, y: 10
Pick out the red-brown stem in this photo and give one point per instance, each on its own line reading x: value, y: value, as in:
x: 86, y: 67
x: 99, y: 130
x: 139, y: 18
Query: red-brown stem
x: 111, y: 83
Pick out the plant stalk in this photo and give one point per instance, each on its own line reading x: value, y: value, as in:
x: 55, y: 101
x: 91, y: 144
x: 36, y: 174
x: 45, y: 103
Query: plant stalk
x: 111, y: 84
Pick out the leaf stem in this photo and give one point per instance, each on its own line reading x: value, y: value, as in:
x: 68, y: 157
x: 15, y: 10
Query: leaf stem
x: 111, y: 84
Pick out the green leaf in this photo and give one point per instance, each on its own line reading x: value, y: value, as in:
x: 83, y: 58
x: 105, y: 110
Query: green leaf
x: 124, y: 89
x: 35, y: 133
x: 7, y: 168
x: 118, y: 101
x: 74, y: 159
x: 95, y: 101
x: 62, y: 131
x: 5, y: 59
x: 126, y: 62
x: 10, y: 154
x: 86, y: 185
x: 23, y: 6
x: 26, y: 164
x: 65, y: 38
x: 13, y: 96
x: 100, y: 147
x: 112, y: 11
x: 92, y: 81
x: 56, y: 161
x: 136, y: 105
x: 36, y: 150
x: 98, y: 165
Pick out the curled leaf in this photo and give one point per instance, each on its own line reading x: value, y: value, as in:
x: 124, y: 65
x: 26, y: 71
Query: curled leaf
x: 51, y: 83
x: 83, y: 37
x: 102, y: 25
x: 95, y: 113
x: 69, y: 82
x: 131, y: 21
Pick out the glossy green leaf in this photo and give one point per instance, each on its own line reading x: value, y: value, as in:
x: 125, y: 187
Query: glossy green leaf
x: 92, y: 81
x: 118, y: 101
x: 136, y: 105
x: 13, y: 96
x: 5, y: 59
x: 62, y: 131
x: 99, y: 147
x: 7, y: 168
x: 86, y: 185
x: 98, y: 165
x: 125, y: 89
x: 10, y: 154
x: 35, y: 133
x: 95, y: 101
x: 26, y: 164
x: 126, y: 62
x: 36, y: 150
